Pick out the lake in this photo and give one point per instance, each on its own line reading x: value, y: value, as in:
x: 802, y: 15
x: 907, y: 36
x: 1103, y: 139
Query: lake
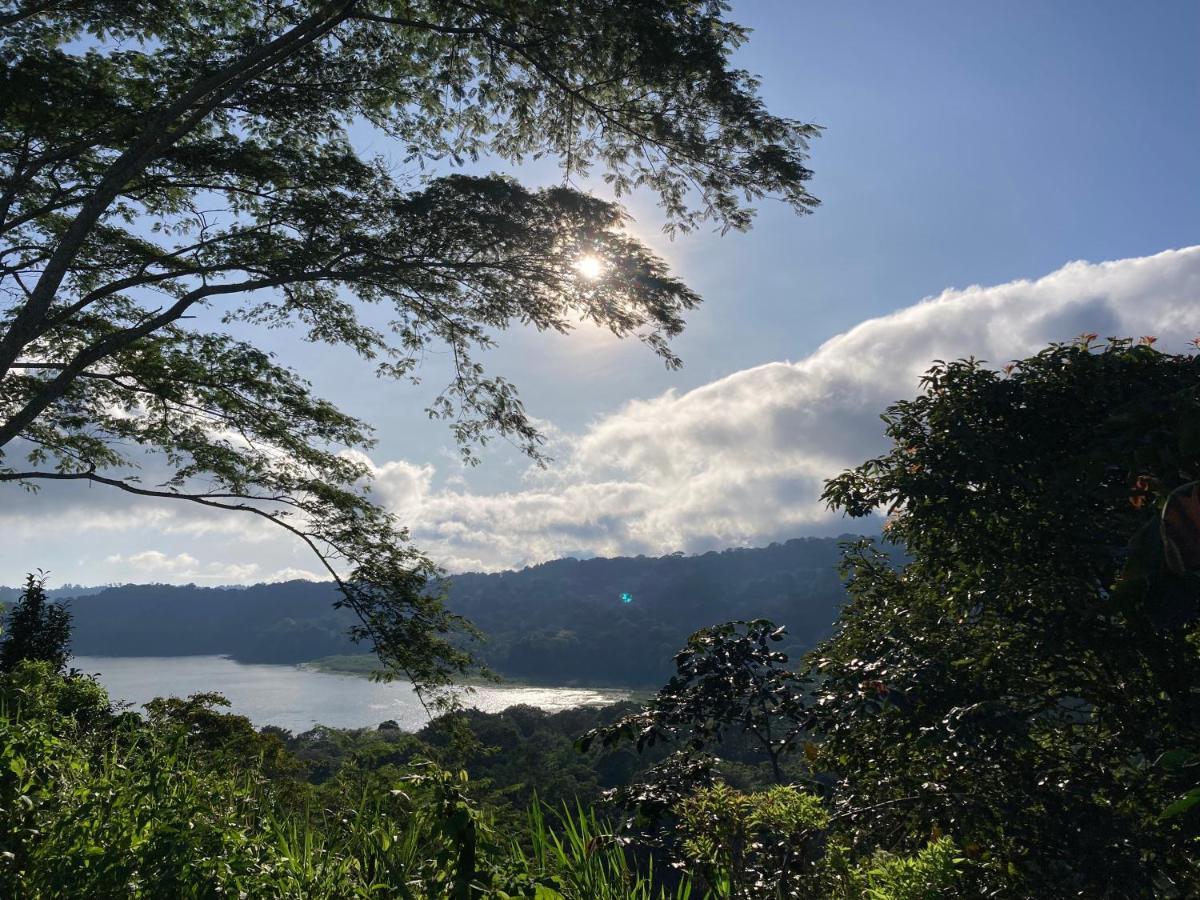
x: 296, y: 698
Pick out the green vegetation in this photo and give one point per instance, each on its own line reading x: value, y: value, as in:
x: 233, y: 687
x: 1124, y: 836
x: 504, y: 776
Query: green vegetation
x: 361, y: 664
x: 100, y: 805
x: 192, y: 802
x: 1023, y: 679
x: 1009, y: 705
x: 731, y: 680
x: 1007, y: 711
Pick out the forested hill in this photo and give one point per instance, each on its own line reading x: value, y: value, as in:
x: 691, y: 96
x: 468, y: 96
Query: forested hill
x: 567, y: 619
x: 563, y: 621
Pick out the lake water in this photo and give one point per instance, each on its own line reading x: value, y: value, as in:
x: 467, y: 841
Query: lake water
x: 296, y: 698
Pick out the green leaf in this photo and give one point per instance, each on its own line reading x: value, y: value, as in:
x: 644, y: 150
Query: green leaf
x: 1182, y: 805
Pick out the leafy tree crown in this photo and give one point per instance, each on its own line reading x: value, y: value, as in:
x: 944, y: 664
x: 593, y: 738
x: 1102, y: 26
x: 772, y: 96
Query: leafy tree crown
x: 171, y: 169
x: 1026, y: 678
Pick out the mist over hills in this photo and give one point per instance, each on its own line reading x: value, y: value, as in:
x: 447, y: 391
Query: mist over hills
x: 562, y: 622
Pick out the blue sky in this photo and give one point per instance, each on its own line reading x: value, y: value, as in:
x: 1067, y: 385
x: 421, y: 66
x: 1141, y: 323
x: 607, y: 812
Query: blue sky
x: 966, y: 143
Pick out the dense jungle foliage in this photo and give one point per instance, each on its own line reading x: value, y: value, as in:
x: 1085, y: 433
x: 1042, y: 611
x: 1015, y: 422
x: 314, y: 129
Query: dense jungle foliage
x: 1010, y: 710
x: 191, y: 801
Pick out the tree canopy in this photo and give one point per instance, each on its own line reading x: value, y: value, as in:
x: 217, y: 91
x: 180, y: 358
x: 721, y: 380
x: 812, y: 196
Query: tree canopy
x: 730, y: 680
x: 175, y: 170
x: 1026, y: 682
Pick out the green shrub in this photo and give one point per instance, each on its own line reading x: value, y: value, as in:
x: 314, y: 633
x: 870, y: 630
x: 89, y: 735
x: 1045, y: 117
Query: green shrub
x: 931, y: 873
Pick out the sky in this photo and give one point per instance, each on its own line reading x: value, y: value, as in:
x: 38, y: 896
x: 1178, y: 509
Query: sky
x: 992, y: 176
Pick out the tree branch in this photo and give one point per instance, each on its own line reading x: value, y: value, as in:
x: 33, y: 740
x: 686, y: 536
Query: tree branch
x: 58, y: 385
x: 27, y: 13
x: 158, y: 135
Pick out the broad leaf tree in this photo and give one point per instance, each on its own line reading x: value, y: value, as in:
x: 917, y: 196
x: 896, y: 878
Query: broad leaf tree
x: 171, y: 171
x: 730, y: 681
x: 1027, y: 683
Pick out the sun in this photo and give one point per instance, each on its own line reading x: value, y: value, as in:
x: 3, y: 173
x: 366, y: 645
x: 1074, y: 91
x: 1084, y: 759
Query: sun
x: 590, y: 267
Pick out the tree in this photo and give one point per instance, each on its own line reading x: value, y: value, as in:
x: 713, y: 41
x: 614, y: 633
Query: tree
x: 729, y: 681
x: 36, y: 629
x: 1026, y: 682
x: 168, y: 169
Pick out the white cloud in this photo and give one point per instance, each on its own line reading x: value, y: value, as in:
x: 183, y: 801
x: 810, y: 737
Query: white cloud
x: 83, y: 516
x: 739, y: 461
x: 156, y: 561
x: 155, y: 565
x: 402, y: 486
x: 742, y: 460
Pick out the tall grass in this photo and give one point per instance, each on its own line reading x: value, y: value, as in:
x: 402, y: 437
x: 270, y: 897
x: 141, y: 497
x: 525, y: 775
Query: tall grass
x: 583, y: 859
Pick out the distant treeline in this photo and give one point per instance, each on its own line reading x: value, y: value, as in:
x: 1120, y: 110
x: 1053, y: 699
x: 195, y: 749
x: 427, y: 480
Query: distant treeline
x: 66, y: 592
x: 560, y: 622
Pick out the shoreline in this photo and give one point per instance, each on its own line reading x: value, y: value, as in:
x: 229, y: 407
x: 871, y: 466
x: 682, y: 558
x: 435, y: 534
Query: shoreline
x: 362, y: 666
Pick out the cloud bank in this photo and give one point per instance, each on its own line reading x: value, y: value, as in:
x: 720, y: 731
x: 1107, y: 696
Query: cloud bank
x: 739, y: 461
